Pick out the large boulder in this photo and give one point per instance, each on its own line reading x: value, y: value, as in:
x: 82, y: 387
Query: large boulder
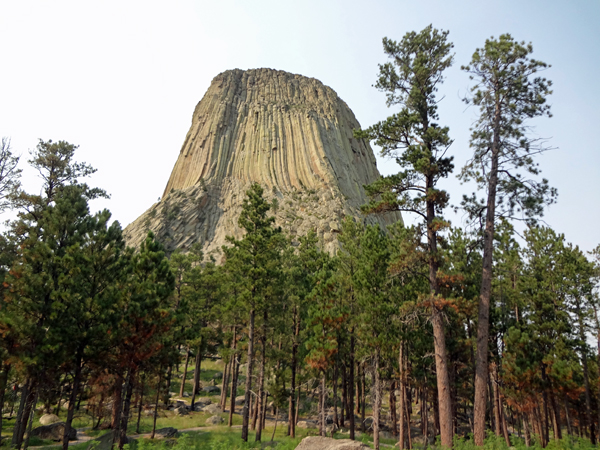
x: 214, y: 420
x: 212, y: 409
x: 307, y: 424
x: 211, y: 389
x: 203, y: 401
x: 323, y: 443
x: 167, y: 432
x: 49, y: 419
x: 181, y: 410
x: 240, y: 400
x: 54, y: 432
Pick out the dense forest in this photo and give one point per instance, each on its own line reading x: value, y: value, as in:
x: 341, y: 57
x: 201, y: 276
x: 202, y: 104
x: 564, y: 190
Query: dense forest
x: 486, y: 329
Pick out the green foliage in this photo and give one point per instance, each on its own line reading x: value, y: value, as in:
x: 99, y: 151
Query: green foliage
x: 412, y: 136
x: 507, y: 91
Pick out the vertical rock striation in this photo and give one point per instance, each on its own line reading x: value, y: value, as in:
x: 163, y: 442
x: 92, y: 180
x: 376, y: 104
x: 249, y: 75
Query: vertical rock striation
x: 291, y: 134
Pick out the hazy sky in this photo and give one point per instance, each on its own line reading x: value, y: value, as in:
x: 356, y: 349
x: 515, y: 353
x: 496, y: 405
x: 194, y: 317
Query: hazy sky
x: 121, y: 79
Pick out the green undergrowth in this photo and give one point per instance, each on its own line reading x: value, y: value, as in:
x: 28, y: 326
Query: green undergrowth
x: 494, y: 442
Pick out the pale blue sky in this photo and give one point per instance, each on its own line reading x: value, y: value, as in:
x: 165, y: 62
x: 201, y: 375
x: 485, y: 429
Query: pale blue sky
x: 121, y: 79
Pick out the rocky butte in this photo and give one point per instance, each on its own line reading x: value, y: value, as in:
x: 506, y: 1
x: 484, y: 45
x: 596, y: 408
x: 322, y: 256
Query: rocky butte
x: 291, y: 134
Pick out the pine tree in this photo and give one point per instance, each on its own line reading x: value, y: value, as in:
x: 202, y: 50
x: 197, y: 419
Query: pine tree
x: 412, y: 80
x: 507, y: 92
x: 255, y: 261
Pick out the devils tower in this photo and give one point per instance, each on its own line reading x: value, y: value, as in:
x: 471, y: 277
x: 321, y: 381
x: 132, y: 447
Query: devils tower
x: 289, y: 133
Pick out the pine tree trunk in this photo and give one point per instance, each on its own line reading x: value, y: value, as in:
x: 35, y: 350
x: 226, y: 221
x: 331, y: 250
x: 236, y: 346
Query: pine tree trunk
x: 231, y: 370
x: 184, y: 377
x: 567, y: 415
x: 425, y: 417
x: 141, y: 405
x: 527, y: 434
x: 30, y: 423
x: 443, y: 382
x: 344, y: 406
x: 117, y: 407
x: 588, y: 397
x: 335, y: 398
x: 225, y: 387
x: 401, y: 439
x: 496, y: 404
x: 393, y: 416
x: 167, y: 386
x: 407, y: 411
x: 322, y: 403
x: 234, y: 383
x: 246, y: 411
x: 72, y: 400
x: 261, y: 380
x: 3, y: 383
x: 156, y: 404
x: 351, y: 365
x: 483, y: 318
x: 293, y: 368
x: 377, y: 402
x: 26, y: 413
x: 126, y: 408
x: 505, y: 427
x: 19, y: 418
x: 197, y: 367
x: 362, y: 399
x: 555, y: 416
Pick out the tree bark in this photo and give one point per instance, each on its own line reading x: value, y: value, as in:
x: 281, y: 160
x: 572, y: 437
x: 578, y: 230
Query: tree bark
x: 31, y: 418
x: 261, y: 379
x: 322, y: 402
x: 141, y: 405
x: 401, y: 438
x: 197, y: 368
x: 483, y: 318
x: 156, y: 405
x: 3, y: 383
x: 245, y: 411
x: 72, y: 400
x: 232, y: 366
x: 393, y: 416
x: 335, y: 398
x: 362, y: 399
x: 377, y: 402
x: 567, y: 415
x: 526, y: 428
x: 351, y: 364
x: 292, y: 406
x: 234, y: 382
x: 443, y: 382
x: 126, y: 408
x: 183, y: 378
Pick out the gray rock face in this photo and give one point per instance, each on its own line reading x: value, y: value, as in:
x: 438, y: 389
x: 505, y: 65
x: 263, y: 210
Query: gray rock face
x: 291, y: 134
x: 322, y: 443
x: 54, y: 432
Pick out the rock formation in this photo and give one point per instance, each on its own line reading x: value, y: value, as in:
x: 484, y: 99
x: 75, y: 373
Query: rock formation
x: 291, y: 134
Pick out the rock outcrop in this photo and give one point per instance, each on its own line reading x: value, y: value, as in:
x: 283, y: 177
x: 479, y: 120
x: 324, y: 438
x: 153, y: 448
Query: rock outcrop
x: 291, y: 134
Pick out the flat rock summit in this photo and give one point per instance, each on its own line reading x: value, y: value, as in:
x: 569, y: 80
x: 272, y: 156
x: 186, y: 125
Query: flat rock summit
x: 289, y: 133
